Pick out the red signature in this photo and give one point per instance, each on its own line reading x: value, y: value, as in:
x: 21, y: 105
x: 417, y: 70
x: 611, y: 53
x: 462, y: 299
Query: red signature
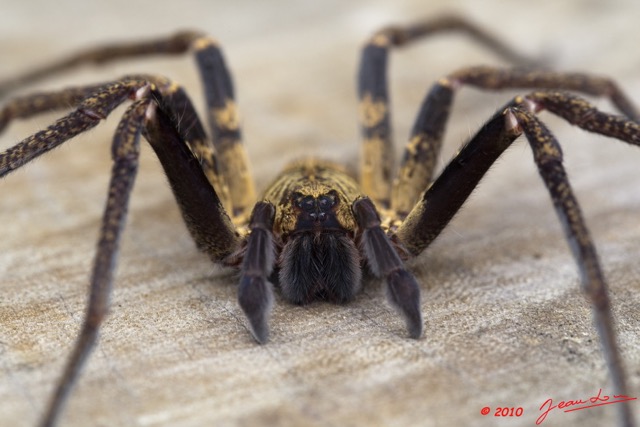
x: 576, y: 405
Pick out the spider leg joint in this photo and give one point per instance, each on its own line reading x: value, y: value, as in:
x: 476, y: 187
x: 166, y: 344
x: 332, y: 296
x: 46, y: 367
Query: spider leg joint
x: 150, y: 113
x: 143, y: 92
x: 529, y: 104
x: 511, y: 122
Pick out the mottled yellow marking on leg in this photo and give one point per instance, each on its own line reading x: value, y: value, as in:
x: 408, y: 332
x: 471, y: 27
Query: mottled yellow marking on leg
x: 411, y: 182
x: 412, y: 145
x: 380, y: 39
x: 415, y: 173
x: 227, y: 117
x: 204, y: 42
x: 375, y: 171
x: 371, y: 113
x: 234, y: 164
x: 172, y: 88
x: 444, y: 81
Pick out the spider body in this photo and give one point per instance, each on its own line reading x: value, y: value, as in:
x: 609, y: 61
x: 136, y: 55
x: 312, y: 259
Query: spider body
x: 316, y: 228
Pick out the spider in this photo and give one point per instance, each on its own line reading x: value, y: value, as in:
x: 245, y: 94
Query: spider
x: 316, y: 228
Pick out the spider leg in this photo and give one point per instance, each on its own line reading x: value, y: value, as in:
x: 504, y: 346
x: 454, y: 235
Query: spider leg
x: 28, y: 106
x: 492, y: 78
x: 224, y: 122
x: 201, y: 208
x: 176, y: 103
x: 449, y: 191
x: 579, y: 112
x: 125, y: 151
x: 378, y: 157
x: 174, y: 45
x: 422, y: 150
x: 232, y: 166
x: 403, y: 290
x: 548, y: 158
x: 174, y: 100
x: 255, y: 293
x: 199, y: 203
x: 87, y: 115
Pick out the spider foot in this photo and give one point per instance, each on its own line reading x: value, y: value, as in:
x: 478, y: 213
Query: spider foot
x: 403, y: 293
x: 256, y: 299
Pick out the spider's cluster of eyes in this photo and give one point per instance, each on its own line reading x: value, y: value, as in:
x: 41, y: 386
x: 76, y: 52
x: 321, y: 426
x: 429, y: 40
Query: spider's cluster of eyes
x: 316, y: 207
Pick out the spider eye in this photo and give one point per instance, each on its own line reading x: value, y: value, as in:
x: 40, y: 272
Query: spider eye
x: 306, y: 203
x: 326, y: 201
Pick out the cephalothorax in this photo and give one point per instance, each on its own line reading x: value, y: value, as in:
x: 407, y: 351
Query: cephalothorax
x: 316, y: 228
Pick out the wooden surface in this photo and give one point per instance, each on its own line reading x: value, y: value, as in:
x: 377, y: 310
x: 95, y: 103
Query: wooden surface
x: 505, y: 322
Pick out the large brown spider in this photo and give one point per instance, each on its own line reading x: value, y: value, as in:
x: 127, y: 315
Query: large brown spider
x: 316, y: 228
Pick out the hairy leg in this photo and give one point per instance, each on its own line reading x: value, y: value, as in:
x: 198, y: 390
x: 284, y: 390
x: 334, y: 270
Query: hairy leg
x: 378, y: 157
x: 125, y: 151
x: 422, y: 151
x: 231, y: 173
x: 452, y: 188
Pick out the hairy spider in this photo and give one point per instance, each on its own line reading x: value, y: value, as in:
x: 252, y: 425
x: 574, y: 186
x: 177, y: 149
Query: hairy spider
x: 316, y: 228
